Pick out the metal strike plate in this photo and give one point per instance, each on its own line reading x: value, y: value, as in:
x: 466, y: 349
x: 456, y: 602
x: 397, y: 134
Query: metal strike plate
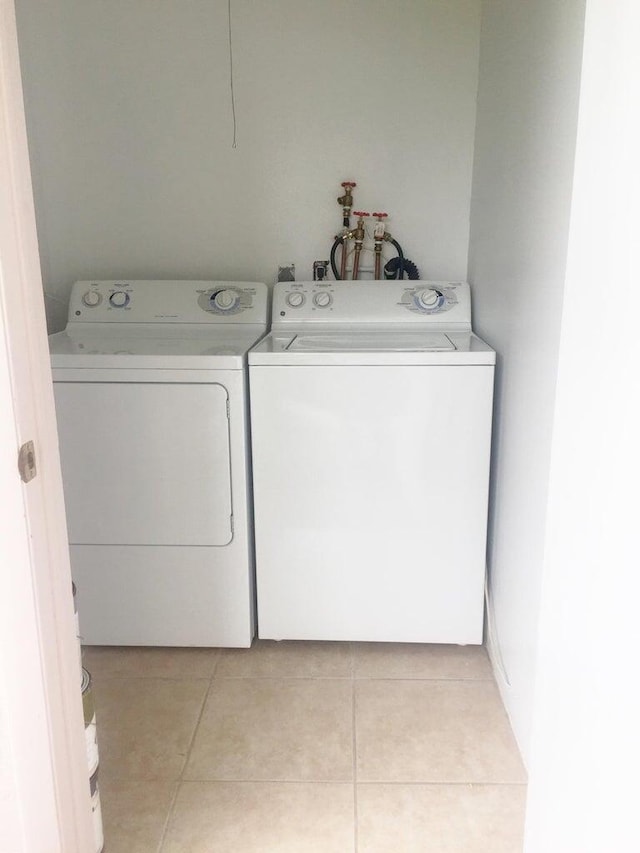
x: 27, y: 462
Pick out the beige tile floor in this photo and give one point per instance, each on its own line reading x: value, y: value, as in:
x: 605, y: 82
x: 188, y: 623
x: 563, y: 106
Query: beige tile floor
x: 296, y: 747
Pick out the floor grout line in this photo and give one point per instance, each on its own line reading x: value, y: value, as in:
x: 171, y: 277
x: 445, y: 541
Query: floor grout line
x: 289, y: 677
x: 184, y: 767
x: 216, y: 664
x: 343, y: 782
x: 167, y: 819
x: 195, y: 729
x: 346, y: 678
x: 444, y: 782
x: 355, y: 748
x: 248, y: 781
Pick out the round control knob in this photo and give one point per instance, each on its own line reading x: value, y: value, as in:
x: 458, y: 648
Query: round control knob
x: 119, y: 299
x: 295, y: 299
x: 92, y: 298
x: 322, y: 299
x: 427, y: 298
x: 225, y: 300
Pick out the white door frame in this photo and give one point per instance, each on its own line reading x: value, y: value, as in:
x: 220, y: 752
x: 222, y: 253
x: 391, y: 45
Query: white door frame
x: 44, y: 789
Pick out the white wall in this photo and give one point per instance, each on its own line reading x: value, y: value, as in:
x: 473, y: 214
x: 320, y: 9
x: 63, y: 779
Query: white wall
x: 586, y: 746
x: 130, y: 130
x: 525, y: 144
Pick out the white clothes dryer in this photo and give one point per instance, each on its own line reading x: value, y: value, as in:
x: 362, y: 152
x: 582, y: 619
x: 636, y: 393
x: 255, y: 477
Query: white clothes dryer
x: 151, y: 401
x: 371, y: 409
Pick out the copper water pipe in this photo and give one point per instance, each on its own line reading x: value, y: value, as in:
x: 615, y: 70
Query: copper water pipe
x: 343, y: 258
x: 342, y: 239
x: 359, y: 238
x: 346, y: 201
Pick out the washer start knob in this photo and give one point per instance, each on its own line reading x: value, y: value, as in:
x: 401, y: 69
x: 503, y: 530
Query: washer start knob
x: 322, y: 299
x: 225, y: 300
x: 295, y: 299
x: 119, y: 299
x: 92, y: 298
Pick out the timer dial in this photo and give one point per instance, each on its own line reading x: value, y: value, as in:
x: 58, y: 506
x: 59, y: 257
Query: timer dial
x: 428, y: 298
x: 119, y: 299
x: 225, y: 300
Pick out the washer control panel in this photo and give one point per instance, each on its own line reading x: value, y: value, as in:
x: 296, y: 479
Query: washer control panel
x: 303, y: 299
x: 431, y: 299
x: 423, y: 302
x: 225, y: 301
x: 168, y: 302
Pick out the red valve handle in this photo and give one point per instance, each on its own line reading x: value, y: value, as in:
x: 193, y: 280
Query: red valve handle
x: 360, y: 213
x: 348, y: 184
x: 380, y: 215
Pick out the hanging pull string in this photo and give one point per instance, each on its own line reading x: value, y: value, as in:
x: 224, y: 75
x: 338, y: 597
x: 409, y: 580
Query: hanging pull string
x: 233, y: 99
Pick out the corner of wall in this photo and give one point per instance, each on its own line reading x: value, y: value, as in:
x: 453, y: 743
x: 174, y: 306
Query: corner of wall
x: 56, y: 311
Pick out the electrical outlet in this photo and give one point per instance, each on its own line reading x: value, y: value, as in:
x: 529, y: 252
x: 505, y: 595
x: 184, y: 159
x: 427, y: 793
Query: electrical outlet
x: 287, y: 273
x: 320, y: 269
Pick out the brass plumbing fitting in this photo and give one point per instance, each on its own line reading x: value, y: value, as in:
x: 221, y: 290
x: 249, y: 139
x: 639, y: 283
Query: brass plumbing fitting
x: 395, y: 268
x: 346, y: 201
x: 378, y: 236
x: 342, y: 238
x: 358, y: 236
x: 358, y: 231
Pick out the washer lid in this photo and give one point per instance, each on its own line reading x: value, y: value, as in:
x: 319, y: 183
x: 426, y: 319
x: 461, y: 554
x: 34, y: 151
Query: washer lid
x: 365, y: 341
x: 370, y: 347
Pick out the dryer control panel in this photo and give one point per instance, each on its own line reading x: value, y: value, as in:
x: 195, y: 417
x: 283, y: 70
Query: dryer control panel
x: 134, y: 301
x: 374, y: 302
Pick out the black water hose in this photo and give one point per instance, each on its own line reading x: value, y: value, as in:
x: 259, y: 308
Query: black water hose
x: 409, y: 269
x: 398, y: 249
x: 332, y: 257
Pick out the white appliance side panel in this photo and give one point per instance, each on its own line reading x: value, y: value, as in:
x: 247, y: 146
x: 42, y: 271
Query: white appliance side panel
x: 158, y: 596
x: 371, y: 488
x: 145, y: 463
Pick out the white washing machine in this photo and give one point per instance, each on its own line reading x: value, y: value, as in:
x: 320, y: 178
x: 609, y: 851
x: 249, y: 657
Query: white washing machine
x: 371, y: 409
x: 150, y: 386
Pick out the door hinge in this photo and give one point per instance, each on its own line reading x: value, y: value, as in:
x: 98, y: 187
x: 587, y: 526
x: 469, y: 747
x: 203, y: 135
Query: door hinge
x: 27, y: 462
